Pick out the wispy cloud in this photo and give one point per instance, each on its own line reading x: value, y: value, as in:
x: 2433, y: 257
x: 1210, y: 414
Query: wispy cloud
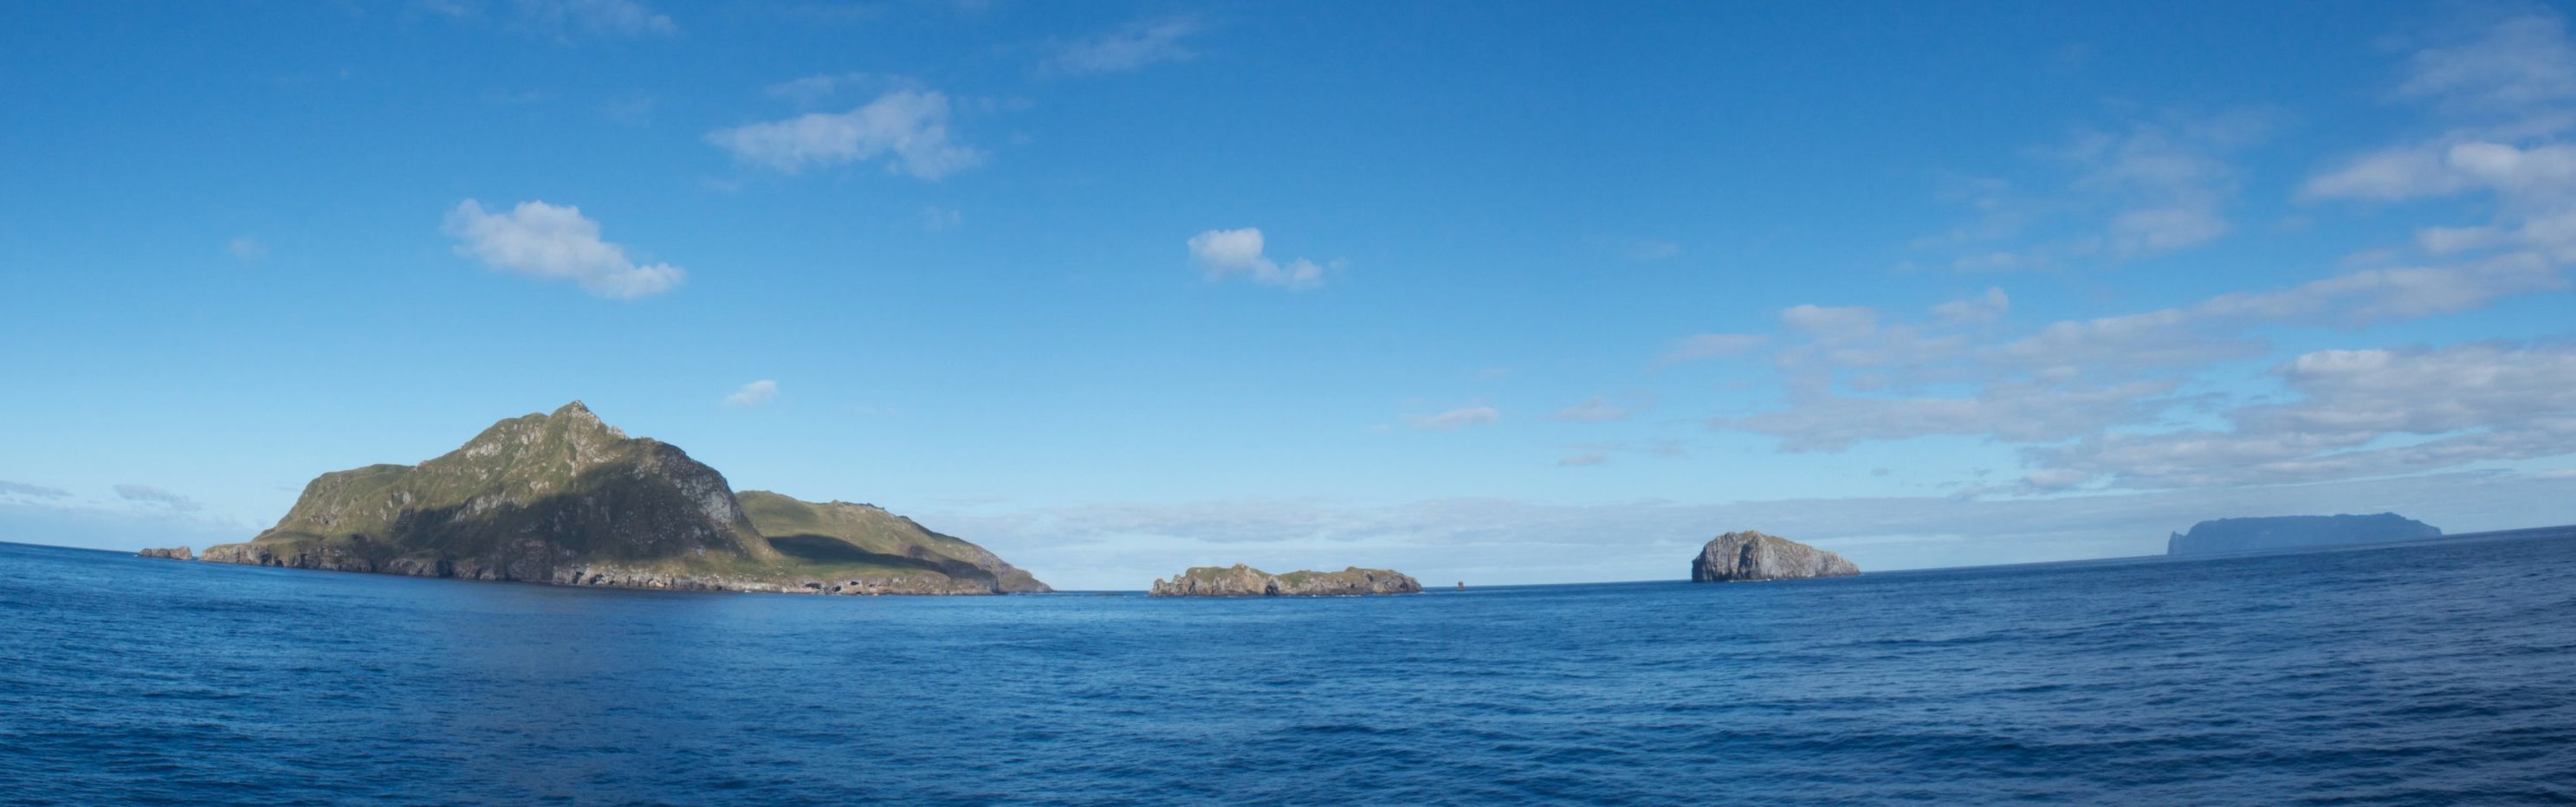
x: 1595, y: 409
x: 8, y: 488
x: 2109, y: 194
x: 557, y: 243
x: 908, y: 128
x: 148, y: 493
x: 752, y: 394
x: 1128, y: 49
x: 246, y: 249
x: 1455, y: 419
x: 1222, y: 254
x: 563, y: 19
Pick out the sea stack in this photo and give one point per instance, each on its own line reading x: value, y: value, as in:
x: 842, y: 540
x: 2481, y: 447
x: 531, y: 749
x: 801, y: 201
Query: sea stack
x: 173, y: 553
x: 1751, y: 555
x: 1244, y: 581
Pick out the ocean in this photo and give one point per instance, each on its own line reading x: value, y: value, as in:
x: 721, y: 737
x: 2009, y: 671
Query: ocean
x: 2420, y: 674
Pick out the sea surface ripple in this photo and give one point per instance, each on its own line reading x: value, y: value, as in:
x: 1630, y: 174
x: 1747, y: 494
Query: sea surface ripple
x: 2423, y: 674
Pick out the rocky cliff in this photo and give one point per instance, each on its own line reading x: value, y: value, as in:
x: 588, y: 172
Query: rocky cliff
x: 1753, y: 555
x: 173, y: 553
x: 565, y: 498
x: 2295, y: 532
x: 1245, y: 581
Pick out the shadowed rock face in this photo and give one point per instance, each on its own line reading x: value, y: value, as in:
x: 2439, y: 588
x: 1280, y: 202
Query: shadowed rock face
x: 1245, y: 581
x: 1752, y: 555
x: 564, y: 498
x: 2292, y: 532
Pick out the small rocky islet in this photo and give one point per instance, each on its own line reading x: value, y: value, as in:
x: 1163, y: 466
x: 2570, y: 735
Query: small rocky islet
x: 1244, y: 581
x: 1751, y: 555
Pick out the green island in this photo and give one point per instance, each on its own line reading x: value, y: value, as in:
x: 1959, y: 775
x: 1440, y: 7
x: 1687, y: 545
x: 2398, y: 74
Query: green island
x: 564, y: 498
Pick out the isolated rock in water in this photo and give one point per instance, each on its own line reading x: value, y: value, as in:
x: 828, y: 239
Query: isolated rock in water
x: 2294, y: 532
x: 564, y: 498
x: 1752, y: 555
x: 1245, y: 581
x: 173, y: 553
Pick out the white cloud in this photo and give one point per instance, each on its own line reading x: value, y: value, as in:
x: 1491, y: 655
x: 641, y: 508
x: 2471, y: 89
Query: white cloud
x: 246, y: 248
x: 1127, y: 49
x: 1595, y: 409
x: 2505, y: 94
x: 1832, y: 324
x: 1988, y: 307
x: 753, y: 394
x: 908, y: 127
x: 1227, y: 253
x: 2359, y: 413
x: 555, y: 242
x: 148, y: 493
x: 1855, y: 379
x: 1454, y: 419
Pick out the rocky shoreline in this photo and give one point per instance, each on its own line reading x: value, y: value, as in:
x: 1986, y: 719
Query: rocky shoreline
x: 584, y: 574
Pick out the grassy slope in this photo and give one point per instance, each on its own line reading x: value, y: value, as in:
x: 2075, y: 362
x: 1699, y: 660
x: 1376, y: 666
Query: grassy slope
x: 864, y: 534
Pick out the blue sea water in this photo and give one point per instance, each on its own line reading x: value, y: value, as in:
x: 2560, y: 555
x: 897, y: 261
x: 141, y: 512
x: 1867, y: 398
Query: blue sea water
x: 2429, y: 674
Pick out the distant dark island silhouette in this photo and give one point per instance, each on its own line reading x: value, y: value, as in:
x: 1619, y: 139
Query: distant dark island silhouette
x: 2279, y: 533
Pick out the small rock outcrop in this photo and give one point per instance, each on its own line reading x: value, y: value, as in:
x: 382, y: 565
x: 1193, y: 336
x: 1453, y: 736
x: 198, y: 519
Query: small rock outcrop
x: 2277, y: 533
x: 1751, y: 555
x: 1245, y: 581
x: 173, y: 553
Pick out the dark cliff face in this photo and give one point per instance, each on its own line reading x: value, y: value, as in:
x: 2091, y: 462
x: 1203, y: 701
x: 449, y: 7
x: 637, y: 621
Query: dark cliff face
x: 1753, y: 555
x: 1245, y: 581
x: 2228, y: 535
x: 565, y: 498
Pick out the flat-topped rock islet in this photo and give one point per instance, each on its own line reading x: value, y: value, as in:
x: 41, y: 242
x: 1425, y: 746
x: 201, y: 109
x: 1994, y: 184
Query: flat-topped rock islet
x: 1244, y: 581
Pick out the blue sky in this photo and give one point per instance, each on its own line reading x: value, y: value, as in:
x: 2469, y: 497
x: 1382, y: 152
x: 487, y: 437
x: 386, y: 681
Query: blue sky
x: 1494, y: 292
